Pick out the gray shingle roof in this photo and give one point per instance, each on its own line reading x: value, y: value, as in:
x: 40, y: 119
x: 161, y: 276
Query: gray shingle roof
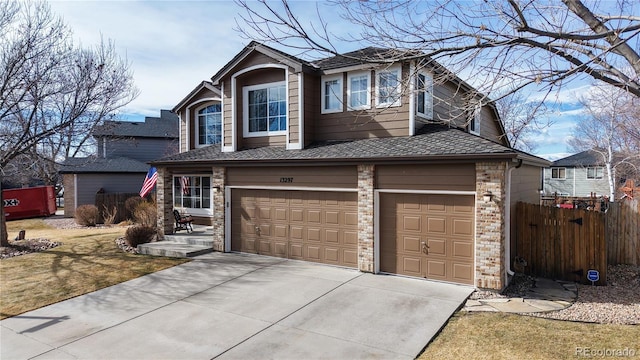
x: 102, y: 165
x: 165, y: 126
x: 585, y: 158
x: 433, y: 142
x: 369, y: 55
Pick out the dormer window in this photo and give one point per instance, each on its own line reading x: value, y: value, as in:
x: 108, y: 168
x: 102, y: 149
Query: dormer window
x: 358, y: 90
x: 388, y: 87
x: 209, y: 127
x: 265, y: 109
x: 331, y: 94
x: 424, y: 95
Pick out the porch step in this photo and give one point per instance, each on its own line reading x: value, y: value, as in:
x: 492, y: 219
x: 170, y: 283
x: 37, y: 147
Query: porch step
x: 190, y: 240
x: 174, y: 249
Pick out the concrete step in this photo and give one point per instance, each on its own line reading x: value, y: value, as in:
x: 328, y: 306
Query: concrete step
x: 190, y: 240
x: 173, y: 249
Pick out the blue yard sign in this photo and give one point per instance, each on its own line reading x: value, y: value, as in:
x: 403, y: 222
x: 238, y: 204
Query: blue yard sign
x: 593, y: 276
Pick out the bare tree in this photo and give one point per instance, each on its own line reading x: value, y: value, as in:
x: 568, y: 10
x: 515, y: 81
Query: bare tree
x: 500, y: 44
x: 609, y: 128
x: 52, y: 93
x: 522, y: 119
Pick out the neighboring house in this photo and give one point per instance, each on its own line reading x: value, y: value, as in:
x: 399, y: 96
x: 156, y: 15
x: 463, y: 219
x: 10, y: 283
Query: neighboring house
x: 121, y: 161
x: 579, y: 175
x: 346, y: 163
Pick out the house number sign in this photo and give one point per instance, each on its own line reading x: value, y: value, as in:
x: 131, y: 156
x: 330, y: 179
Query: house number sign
x: 286, y: 179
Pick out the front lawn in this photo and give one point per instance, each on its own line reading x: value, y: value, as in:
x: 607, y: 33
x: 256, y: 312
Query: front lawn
x: 88, y: 260
x: 490, y: 335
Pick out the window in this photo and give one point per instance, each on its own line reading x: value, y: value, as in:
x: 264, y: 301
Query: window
x: 595, y: 172
x: 192, y: 192
x: 358, y: 90
x: 388, y: 87
x: 209, y: 125
x: 424, y: 95
x: 558, y: 173
x: 331, y: 94
x: 265, y: 109
x: 474, y: 122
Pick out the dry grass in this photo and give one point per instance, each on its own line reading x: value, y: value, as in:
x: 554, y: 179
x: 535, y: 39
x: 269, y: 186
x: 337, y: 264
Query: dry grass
x: 508, y: 336
x: 88, y: 260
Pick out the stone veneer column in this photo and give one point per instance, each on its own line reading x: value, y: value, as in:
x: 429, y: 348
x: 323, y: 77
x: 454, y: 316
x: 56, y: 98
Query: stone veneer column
x: 490, y: 225
x: 218, y: 183
x: 164, y: 201
x: 365, y: 217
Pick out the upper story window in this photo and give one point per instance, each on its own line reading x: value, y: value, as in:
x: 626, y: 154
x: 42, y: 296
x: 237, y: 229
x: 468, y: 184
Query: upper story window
x: 265, y: 109
x: 388, y: 86
x: 595, y: 172
x: 474, y: 122
x: 424, y: 95
x: 331, y: 94
x: 558, y: 173
x: 209, y: 125
x: 358, y: 90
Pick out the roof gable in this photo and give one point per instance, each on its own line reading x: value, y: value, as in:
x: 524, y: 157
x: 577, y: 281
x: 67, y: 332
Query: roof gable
x: 205, y: 88
x: 581, y: 159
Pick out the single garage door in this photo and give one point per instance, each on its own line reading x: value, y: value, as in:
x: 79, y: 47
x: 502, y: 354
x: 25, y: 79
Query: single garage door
x: 314, y: 226
x: 430, y: 236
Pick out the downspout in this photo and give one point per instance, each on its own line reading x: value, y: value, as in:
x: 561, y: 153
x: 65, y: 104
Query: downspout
x: 507, y: 210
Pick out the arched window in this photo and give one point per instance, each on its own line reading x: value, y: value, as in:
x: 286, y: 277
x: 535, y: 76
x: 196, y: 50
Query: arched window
x: 210, y: 125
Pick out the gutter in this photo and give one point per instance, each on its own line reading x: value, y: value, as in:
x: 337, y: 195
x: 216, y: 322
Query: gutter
x: 507, y: 210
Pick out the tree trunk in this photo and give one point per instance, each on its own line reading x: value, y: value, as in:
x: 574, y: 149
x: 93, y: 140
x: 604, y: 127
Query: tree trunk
x: 4, y: 236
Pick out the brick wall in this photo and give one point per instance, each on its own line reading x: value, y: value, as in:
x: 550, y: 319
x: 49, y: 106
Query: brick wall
x: 218, y: 183
x: 490, y: 225
x: 366, y: 175
x: 68, y: 181
x: 164, y: 199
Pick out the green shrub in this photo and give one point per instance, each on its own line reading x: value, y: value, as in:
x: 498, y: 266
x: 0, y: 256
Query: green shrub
x: 146, y: 213
x: 86, y: 215
x: 139, y: 234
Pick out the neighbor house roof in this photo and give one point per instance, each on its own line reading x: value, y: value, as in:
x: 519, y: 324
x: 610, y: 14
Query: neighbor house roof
x: 165, y: 126
x: 102, y: 165
x: 434, y: 142
x: 585, y: 158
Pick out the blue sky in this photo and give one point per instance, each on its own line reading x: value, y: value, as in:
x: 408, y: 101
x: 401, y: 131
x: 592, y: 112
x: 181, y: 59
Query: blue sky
x: 174, y: 45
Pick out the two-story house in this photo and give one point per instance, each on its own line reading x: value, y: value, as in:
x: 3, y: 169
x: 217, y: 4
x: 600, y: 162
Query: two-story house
x: 120, y: 164
x: 348, y: 162
x: 579, y: 175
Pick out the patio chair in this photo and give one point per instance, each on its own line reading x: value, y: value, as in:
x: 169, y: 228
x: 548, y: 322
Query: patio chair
x: 183, y: 222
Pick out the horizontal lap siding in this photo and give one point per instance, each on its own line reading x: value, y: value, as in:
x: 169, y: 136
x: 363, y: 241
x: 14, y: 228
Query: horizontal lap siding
x: 322, y: 177
x: 455, y: 177
x: 226, y: 114
x: 311, y: 107
x: 293, y: 116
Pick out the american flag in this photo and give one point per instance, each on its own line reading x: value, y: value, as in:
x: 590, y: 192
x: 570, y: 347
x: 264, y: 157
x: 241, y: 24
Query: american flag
x: 185, y: 181
x: 149, y: 182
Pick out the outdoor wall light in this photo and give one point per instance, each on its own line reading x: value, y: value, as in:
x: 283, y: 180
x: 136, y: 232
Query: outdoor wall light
x: 216, y: 189
x: 487, y: 196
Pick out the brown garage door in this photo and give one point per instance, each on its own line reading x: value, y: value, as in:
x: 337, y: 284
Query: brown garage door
x: 429, y: 236
x: 306, y: 225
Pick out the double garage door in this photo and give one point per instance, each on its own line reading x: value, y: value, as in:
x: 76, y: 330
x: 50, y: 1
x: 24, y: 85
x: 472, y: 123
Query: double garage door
x: 314, y: 226
x: 421, y: 235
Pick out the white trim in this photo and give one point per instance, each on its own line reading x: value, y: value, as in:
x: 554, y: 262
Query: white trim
x: 474, y: 125
x: 323, y: 91
x: 222, y: 109
x: 391, y: 69
x: 412, y: 99
x: 376, y: 225
x: 180, y: 132
x: 227, y: 219
x: 196, y: 124
x: 368, y: 102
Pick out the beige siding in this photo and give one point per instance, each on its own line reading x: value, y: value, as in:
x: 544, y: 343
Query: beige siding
x: 489, y: 126
x: 293, y: 116
x: 526, y: 183
x: 226, y: 116
x: 323, y: 177
x: 456, y: 177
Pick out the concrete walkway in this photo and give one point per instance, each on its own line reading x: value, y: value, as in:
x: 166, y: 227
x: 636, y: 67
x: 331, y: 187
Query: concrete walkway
x: 239, y: 306
x: 546, y: 295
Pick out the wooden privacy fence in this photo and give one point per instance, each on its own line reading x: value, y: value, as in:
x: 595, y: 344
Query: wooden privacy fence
x: 111, y: 201
x: 623, y: 232
x: 561, y: 243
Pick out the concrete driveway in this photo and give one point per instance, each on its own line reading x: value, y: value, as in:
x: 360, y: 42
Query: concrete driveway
x: 239, y: 306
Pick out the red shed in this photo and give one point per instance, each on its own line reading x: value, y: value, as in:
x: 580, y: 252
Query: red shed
x: 29, y: 202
